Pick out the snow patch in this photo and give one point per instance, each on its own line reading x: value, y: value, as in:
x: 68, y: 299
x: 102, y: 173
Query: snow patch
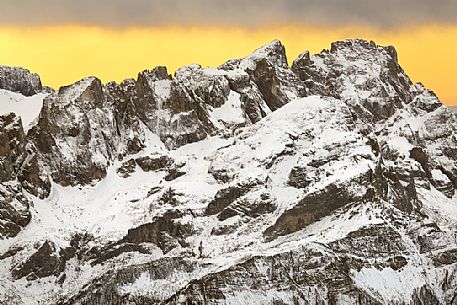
x: 231, y: 112
x: 28, y: 108
x: 391, y: 286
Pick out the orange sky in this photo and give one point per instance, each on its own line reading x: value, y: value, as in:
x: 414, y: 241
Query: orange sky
x: 65, y: 54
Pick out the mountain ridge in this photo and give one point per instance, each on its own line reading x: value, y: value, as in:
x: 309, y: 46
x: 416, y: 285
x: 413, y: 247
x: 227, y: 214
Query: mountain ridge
x: 329, y: 181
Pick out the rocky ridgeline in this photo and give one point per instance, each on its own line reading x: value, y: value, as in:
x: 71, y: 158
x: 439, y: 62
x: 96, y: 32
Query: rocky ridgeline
x: 334, y: 182
x: 20, y: 80
x: 104, y: 123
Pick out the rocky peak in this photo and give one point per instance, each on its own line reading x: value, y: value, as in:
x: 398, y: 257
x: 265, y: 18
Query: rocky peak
x: 20, y: 80
x: 360, y: 47
x: 75, y: 127
x: 209, y: 86
x: 357, y: 50
x: 271, y: 83
x: 424, y: 98
x: 153, y: 86
x: 361, y: 73
x: 87, y: 92
x: 156, y: 74
x: 274, y: 52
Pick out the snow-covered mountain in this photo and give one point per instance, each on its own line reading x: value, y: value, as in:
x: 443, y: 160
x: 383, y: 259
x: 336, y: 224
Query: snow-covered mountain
x: 331, y: 181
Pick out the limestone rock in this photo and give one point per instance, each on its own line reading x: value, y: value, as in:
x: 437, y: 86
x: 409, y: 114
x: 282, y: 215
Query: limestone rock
x: 20, y: 80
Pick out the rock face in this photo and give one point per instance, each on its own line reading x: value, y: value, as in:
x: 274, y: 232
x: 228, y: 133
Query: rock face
x: 43, y: 263
x: 330, y: 182
x: 19, y: 173
x: 19, y: 80
x: 15, y: 210
x: 264, y: 80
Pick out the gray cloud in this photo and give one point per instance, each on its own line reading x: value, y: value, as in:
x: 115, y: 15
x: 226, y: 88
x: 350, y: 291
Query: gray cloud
x: 123, y: 13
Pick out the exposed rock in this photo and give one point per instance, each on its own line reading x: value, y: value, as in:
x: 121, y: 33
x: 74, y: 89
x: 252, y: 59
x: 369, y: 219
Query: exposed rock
x: 174, y: 173
x: 78, y: 112
x: 18, y: 162
x: 154, y: 163
x: 378, y: 242
x: 448, y: 257
x: 11, y: 252
x: 163, y: 231
x: 117, y: 250
x: 297, y: 177
x: 14, y: 211
x: 268, y: 83
x: 378, y: 84
x: 19, y: 80
x: 418, y: 154
x: 315, y: 206
x: 226, y: 196
x: 127, y: 168
x: 424, y: 296
x: 114, y: 281
x: 250, y: 208
x: 301, y: 273
x: 43, y: 263
x: 425, y: 99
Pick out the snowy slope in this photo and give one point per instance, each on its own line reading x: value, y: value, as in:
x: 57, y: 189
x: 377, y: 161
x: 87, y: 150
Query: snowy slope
x: 28, y: 108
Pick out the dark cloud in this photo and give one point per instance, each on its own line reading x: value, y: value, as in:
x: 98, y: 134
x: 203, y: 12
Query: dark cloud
x: 122, y: 13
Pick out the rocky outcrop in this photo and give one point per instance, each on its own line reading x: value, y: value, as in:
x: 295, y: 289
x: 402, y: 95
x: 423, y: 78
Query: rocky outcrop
x: 14, y: 210
x: 18, y: 174
x: 116, y: 283
x: 163, y: 231
x: 302, y: 273
x: 154, y: 163
x: 45, y: 262
x: 317, y: 205
x: 88, y: 119
x: 19, y: 80
x: 127, y: 168
x: 359, y: 73
x: 226, y: 196
x: 12, y: 146
x: 19, y: 162
x: 251, y: 208
x: 76, y: 129
x: 266, y: 82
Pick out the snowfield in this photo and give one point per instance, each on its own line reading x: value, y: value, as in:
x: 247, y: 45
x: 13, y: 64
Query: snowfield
x: 28, y: 108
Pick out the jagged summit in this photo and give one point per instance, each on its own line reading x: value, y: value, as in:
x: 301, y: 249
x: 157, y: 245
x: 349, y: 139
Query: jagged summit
x: 20, y: 80
x: 361, y: 46
x: 274, y: 52
x: 331, y: 181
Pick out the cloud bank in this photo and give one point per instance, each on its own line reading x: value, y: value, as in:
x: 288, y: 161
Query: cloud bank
x: 249, y: 13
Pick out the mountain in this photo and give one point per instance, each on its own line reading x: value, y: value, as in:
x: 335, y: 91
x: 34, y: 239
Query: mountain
x: 453, y: 108
x: 330, y: 180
